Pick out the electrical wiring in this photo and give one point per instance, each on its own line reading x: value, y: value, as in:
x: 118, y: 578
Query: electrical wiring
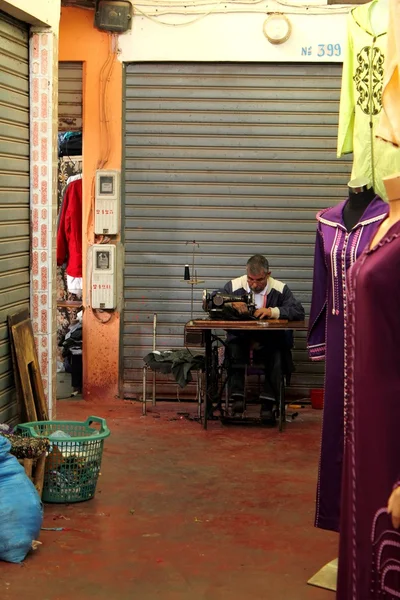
x: 105, y: 144
x: 229, y: 5
x: 105, y: 77
x: 198, y: 18
x: 102, y: 321
x: 154, y: 14
x: 104, y: 80
x: 194, y: 3
x: 317, y: 9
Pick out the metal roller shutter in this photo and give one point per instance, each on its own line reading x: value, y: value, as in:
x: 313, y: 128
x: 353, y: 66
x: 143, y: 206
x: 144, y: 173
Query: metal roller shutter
x: 238, y: 157
x: 70, y: 96
x: 14, y: 194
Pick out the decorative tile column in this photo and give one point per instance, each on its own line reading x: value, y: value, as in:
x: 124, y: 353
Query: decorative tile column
x: 43, y: 201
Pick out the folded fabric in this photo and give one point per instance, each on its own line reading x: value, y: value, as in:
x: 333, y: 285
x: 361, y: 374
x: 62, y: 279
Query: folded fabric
x: 178, y: 362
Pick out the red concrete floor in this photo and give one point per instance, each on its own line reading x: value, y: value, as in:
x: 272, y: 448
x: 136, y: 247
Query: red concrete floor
x: 184, y: 514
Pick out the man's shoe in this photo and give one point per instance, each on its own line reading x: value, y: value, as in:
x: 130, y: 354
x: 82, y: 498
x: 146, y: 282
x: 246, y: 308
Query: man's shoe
x: 237, y: 403
x: 266, y: 413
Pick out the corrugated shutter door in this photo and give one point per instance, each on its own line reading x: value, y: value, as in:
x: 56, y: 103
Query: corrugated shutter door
x: 70, y: 96
x: 238, y: 157
x: 14, y: 194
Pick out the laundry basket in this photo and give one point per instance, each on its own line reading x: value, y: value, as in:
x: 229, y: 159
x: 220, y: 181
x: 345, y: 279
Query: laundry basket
x: 74, y: 459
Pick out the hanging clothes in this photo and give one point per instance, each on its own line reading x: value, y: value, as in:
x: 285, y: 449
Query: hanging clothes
x: 74, y: 285
x: 389, y: 124
x: 336, y: 251
x: 361, y: 102
x: 72, y: 178
x: 69, y: 234
x: 369, y: 549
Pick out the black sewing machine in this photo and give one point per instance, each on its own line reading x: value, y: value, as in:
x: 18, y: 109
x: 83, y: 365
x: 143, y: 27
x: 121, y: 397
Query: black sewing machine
x: 219, y: 305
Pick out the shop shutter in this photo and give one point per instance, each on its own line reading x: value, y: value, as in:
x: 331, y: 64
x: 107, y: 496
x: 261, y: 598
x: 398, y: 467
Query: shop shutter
x: 14, y: 194
x: 239, y: 158
x: 70, y: 96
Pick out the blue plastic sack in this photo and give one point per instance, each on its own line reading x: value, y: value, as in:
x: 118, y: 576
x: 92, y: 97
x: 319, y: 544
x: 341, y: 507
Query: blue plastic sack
x: 21, y: 513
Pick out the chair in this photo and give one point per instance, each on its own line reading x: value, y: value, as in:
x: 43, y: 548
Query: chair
x: 253, y: 369
x: 165, y: 368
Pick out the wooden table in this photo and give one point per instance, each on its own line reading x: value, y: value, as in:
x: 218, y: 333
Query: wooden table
x: 208, y: 325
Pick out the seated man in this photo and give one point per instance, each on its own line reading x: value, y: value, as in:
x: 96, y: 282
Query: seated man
x: 274, y: 300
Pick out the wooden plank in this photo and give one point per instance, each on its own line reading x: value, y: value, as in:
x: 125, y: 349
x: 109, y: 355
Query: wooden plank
x: 38, y: 479
x: 28, y: 466
x: 35, y: 472
x: 17, y: 378
x: 27, y: 362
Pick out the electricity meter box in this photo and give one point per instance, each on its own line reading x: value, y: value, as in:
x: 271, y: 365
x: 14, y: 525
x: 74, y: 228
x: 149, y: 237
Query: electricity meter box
x: 107, y: 203
x: 104, y: 294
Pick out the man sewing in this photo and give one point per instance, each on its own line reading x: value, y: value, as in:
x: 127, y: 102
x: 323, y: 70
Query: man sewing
x: 273, y: 300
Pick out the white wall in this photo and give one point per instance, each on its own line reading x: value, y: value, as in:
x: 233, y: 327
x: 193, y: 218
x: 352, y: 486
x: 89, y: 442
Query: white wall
x: 234, y: 37
x: 35, y: 12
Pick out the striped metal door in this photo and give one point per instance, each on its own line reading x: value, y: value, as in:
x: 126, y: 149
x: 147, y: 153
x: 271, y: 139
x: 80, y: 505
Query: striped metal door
x: 70, y: 96
x: 14, y: 194
x: 239, y: 158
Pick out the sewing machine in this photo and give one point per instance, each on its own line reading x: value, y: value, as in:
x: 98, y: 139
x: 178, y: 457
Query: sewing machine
x: 218, y: 305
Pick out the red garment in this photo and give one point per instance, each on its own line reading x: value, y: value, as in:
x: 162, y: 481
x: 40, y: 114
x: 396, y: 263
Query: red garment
x: 69, y: 234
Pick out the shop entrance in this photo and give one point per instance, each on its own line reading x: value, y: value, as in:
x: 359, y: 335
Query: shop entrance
x: 69, y: 232
x: 238, y: 158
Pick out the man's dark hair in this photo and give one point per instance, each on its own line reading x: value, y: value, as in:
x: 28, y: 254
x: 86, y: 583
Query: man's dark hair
x: 258, y: 263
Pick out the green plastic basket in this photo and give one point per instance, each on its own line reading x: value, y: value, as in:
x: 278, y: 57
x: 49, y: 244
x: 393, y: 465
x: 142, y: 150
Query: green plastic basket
x: 73, y: 464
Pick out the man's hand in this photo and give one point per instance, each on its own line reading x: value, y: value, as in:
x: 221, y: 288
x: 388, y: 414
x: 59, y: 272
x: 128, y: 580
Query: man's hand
x: 394, y: 507
x: 263, y: 313
x: 240, y: 307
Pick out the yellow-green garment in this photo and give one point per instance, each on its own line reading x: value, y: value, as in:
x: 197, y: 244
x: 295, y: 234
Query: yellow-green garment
x: 389, y: 125
x: 361, y: 102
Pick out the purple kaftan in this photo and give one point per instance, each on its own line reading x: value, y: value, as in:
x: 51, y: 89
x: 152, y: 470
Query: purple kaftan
x: 369, y: 555
x: 336, y: 251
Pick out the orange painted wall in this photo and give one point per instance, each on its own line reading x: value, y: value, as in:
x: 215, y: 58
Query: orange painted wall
x: 80, y: 41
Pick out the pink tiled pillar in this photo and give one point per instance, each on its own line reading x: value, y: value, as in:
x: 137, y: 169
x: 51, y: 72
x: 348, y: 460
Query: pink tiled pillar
x: 44, y: 128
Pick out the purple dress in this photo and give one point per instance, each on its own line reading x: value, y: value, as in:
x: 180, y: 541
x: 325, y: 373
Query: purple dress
x: 336, y: 251
x: 369, y: 555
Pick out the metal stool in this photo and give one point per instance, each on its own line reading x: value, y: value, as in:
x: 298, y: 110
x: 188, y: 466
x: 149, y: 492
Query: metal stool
x: 146, y: 368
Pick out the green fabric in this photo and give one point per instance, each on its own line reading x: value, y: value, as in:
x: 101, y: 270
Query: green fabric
x: 178, y: 362
x: 361, y: 102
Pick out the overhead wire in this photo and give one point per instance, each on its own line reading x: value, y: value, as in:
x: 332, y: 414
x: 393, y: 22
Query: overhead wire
x: 152, y: 12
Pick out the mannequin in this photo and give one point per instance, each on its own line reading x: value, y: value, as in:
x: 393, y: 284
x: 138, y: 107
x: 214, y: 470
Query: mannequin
x: 360, y: 195
x: 343, y: 232
x: 361, y: 98
x: 369, y: 549
x: 379, y: 16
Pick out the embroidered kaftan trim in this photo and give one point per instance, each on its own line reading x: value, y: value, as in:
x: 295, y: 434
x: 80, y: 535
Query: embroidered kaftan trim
x: 388, y: 539
x: 369, y: 79
x: 334, y: 224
